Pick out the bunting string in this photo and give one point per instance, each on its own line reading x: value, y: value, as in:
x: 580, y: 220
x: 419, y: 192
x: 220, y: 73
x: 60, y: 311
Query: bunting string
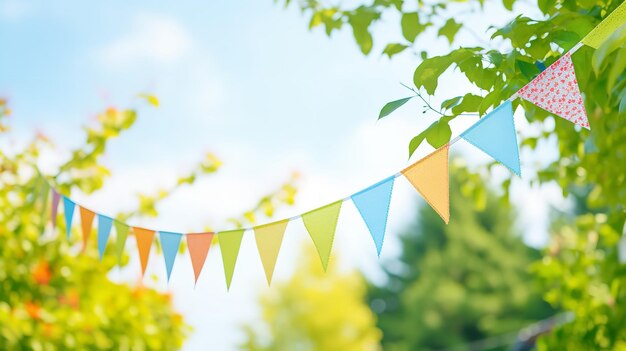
x: 555, y: 89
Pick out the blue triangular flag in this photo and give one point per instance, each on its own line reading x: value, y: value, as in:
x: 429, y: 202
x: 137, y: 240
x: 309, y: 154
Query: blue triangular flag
x: 373, y: 205
x: 495, y: 135
x: 68, y: 206
x: 104, y: 229
x: 170, y: 243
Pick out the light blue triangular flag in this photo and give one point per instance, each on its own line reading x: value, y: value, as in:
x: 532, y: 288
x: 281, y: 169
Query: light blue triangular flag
x: 104, y: 229
x: 495, y: 135
x: 170, y: 243
x: 373, y: 205
x: 68, y: 206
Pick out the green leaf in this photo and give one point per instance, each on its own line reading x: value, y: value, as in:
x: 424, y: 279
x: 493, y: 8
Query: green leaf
x: 616, y: 41
x: 392, y: 106
x: 528, y: 70
x: 416, y: 142
x: 439, y: 133
x: 411, y: 26
x: 393, y: 49
x: 360, y: 20
x: 450, y: 103
x: 450, y: 29
x: 546, y: 5
x: 617, y: 69
x: 151, y: 99
x: 427, y: 73
x: 495, y: 57
x: 469, y: 103
x: 508, y: 4
x: 565, y: 39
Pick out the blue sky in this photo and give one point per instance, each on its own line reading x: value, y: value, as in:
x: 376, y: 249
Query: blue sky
x: 245, y: 80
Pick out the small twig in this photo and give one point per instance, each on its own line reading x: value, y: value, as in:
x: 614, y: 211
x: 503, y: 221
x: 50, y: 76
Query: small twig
x: 428, y: 106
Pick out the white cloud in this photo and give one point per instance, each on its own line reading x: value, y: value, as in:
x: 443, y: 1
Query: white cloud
x: 152, y: 38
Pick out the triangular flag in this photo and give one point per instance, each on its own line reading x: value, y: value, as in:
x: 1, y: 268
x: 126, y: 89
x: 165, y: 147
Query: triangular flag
x: 45, y: 192
x: 495, y: 135
x: 144, y: 239
x: 604, y: 29
x: 170, y: 243
x: 68, y: 207
x: 373, y: 205
x: 321, y: 224
x: 55, y: 208
x: 122, y: 233
x: 199, y: 245
x: 230, y: 242
x: 269, y: 237
x: 429, y: 176
x: 86, y: 221
x: 104, y: 229
x: 556, y: 90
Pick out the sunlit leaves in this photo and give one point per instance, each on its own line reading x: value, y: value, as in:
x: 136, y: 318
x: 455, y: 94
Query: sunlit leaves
x: 427, y: 74
x: 393, y: 49
x: 392, y: 106
x: 149, y: 98
x: 469, y: 103
x: 616, y: 42
x: 437, y: 135
x: 360, y: 20
x: 449, y: 29
x: 411, y: 26
x: 330, y: 17
x: 314, y: 308
x: 450, y: 103
x: 52, y: 297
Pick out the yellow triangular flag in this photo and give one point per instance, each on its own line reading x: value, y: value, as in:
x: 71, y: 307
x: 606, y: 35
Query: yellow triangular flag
x: 604, y: 29
x: 430, y: 177
x: 269, y: 237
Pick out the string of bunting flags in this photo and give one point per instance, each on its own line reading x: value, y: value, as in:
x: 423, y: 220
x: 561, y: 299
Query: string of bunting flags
x: 555, y: 90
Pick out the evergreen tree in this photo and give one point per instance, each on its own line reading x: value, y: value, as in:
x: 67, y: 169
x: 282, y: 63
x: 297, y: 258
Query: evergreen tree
x: 458, y: 283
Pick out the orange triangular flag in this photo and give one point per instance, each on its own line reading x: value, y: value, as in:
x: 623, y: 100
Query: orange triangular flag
x: 86, y: 221
x: 199, y: 245
x: 144, y: 239
x: 430, y: 177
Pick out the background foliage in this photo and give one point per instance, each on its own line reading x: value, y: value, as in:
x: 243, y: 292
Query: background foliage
x: 53, y: 296
x: 315, y: 310
x: 580, y: 271
x: 455, y: 284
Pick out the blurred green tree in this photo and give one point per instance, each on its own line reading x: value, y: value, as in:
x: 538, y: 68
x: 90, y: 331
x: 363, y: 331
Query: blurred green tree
x: 315, y: 310
x: 51, y: 296
x: 585, y: 275
x: 462, y: 282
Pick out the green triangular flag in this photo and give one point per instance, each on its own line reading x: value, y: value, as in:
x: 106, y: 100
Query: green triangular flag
x: 122, y: 233
x: 321, y: 224
x: 230, y: 242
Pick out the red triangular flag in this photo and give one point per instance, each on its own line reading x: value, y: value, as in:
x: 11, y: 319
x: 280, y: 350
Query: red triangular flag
x: 556, y: 90
x: 199, y: 245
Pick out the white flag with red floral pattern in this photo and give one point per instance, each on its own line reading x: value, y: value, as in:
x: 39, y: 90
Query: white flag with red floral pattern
x: 556, y: 90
